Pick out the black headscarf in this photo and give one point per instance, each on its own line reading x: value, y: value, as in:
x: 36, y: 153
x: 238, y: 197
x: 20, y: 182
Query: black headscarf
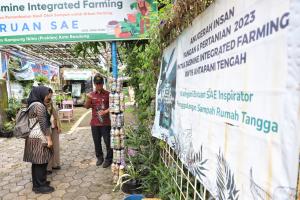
x: 38, y: 94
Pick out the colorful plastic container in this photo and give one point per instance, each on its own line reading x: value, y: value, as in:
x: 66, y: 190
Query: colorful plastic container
x: 134, y: 197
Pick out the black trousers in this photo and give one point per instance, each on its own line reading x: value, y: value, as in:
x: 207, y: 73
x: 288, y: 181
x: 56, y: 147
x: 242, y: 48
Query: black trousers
x: 98, y: 132
x: 39, y: 174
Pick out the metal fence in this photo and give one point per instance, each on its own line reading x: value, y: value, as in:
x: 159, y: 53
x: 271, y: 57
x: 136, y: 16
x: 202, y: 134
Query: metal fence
x: 188, y: 186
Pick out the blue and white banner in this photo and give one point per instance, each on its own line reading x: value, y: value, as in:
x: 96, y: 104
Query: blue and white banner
x: 228, y: 98
x: 3, y: 68
x: 25, y: 72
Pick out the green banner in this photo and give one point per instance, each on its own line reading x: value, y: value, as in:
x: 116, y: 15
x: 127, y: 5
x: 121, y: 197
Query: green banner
x: 55, y: 38
x: 25, y: 22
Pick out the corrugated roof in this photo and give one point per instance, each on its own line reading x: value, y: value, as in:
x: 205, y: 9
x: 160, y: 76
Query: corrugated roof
x: 55, y: 54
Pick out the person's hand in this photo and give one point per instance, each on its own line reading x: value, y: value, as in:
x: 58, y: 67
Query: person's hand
x: 58, y: 130
x: 50, y: 144
x: 89, y: 96
x: 102, y: 112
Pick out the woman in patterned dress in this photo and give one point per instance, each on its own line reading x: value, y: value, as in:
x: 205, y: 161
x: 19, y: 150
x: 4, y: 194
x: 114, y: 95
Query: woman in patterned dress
x: 54, y: 162
x: 38, y: 145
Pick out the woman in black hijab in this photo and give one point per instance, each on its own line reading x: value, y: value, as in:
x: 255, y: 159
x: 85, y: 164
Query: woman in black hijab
x: 38, y: 144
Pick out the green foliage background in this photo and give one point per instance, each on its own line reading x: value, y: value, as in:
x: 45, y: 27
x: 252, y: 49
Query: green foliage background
x: 143, y: 65
x: 142, y: 60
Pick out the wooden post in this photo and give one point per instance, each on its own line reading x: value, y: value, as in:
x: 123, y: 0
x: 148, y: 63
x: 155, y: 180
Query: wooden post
x: 4, y: 100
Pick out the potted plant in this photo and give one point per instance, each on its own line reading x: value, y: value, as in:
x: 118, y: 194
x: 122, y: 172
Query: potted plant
x: 142, y: 153
x: 130, y: 182
x: 58, y: 99
x: 7, y: 129
x: 13, y: 107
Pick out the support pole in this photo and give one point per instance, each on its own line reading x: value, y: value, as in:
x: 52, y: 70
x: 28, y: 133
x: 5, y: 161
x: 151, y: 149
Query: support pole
x: 114, y: 59
x: 5, y: 62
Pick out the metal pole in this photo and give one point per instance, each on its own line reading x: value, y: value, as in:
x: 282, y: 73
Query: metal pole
x: 298, y: 185
x: 6, y: 60
x: 114, y: 59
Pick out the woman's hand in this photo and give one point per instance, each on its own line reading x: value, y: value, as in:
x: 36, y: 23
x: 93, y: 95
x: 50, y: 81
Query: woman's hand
x: 50, y: 143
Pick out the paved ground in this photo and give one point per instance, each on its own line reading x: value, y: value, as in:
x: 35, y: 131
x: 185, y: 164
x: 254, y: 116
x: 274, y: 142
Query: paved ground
x: 85, y: 122
x: 78, y: 179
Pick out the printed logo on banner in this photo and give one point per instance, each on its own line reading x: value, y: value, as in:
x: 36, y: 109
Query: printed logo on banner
x: 21, y: 68
x: 167, y: 92
x: 4, y: 59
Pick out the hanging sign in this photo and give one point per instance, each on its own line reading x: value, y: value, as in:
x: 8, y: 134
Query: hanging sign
x: 76, y: 89
x: 228, y: 98
x: 77, y: 74
x: 27, y: 22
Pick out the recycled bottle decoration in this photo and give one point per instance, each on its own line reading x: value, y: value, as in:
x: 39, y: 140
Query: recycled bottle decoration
x: 122, y: 102
x: 115, y: 179
x: 121, y: 132
x: 118, y: 158
x: 114, y: 156
x: 119, y: 85
x: 113, y: 120
x: 122, y: 139
x: 117, y: 142
x: 112, y: 167
x: 112, y: 134
x: 120, y: 120
x: 121, y: 170
x: 122, y: 156
x: 113, y: 85
x: 111, y: 102
x: 116, y: 108
x: 117, y: 132
x: 115, y: 171
x: 116, y: 103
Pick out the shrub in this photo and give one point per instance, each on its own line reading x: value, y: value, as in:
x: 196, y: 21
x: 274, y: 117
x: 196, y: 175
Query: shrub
x: 13, y: 107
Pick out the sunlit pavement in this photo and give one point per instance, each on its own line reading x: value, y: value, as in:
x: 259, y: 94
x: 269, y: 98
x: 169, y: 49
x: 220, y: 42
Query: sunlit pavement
x: 79, y: 177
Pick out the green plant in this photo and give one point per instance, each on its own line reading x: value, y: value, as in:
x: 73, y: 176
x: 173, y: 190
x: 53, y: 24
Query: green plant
x: 132, y: 174
x: 27, y: 86
x: 13, y: 107
x: 8, y: 126
x: 68, y: 97
x: 134, y: 137
x: 59, y: 98
x: 167, y: 186
x: 130, y: 109
x: 142, y: 59
x: 42, y: 79
x: 142, y: 163
x: 133, y: 171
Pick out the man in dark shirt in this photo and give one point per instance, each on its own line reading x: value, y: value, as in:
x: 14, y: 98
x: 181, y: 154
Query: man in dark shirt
x: 100, y: 123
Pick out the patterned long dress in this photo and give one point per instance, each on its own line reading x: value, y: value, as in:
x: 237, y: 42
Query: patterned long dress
x: 35, y: 152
